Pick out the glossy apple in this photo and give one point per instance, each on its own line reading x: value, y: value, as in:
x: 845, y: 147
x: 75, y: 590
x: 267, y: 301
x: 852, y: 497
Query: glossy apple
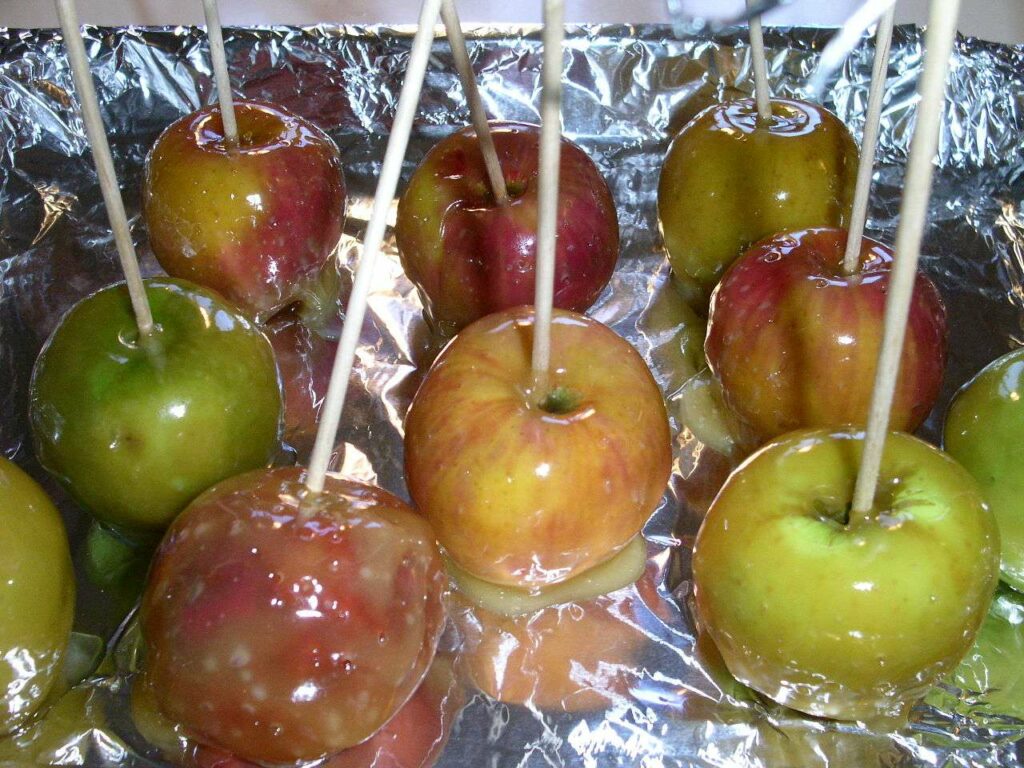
x: 528, y: 489
x: 256, y: 222
x: 282, y: 626
x: 985, y: 432
x: 470, y: 257
x: 730, y: 180
x: 136, y: 429
x: 37, y: 596
x: 847, y: 620
x: 795, y: 342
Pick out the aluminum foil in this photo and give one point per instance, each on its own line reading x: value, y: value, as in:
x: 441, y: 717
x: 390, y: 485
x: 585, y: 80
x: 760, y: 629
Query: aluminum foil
x: 628, y: 89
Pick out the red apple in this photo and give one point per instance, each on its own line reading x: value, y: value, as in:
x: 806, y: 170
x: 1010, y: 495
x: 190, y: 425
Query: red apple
x: 530, y: 489
x: 256, y: 222
x: 283, y: 626
x: 794, y: 341
x: 470, y: 257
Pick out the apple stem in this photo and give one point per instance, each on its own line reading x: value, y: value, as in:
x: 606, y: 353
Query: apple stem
x: 547, y: 192
x: 453, y: 28
x: 387, y: 184
x: 866, y: 170
x: 760, y: 66
x: 220, y: 72
x: 96, y: 133
x: 941, y: 34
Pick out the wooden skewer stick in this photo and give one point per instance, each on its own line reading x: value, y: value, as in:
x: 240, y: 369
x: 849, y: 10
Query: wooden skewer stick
x: 941, y: 33
x: 387, y: 183
x: 477, y: 113
x: 547, y: 191
x: 760, y: 65
x: 96, y: 133
x: 883, y: 40
x: 220, y: 72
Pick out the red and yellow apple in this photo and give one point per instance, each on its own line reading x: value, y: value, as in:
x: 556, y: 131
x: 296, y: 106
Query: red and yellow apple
x: 470, y: 257
x: 282, y: 625
x: 257, y: 221
x: 530, y: 488
x: 836, y: 615
x: 795, y: 341
x: 731, y: 179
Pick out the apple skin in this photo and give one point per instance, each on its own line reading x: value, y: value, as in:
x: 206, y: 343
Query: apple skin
x: 470, y: 257
x: 795, y: 342
x: 730, y: 180
x: 257, y: 222
x: 984, y: 431
x: 135, y: 431
x: 852, y: 622
x: 282, y: 626
x: 37, y: 596
x: 522, y: 496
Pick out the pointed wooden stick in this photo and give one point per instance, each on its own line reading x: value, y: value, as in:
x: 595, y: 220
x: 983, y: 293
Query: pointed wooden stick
x: 866, y: 170
x: 941, y: 34
x: 477, y: 113
x: 547, y: 192
x: 220, y: 72
x: 760, y: 66
x: 334, y: 402
x: 94, y: 129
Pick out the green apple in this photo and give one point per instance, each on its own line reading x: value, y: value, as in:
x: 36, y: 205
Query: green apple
x: 985, y: 432
x: 135, y: 429
x: 838, y: 616
x: 37, y: 596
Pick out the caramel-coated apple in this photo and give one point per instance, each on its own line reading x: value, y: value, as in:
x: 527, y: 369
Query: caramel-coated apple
x: 794, y: 341
x: 839, y: 615
x: 529, y: 489
x: 257, y: 221
x: 282, y: 625
x: 731, y: 179
x: 470, y: 256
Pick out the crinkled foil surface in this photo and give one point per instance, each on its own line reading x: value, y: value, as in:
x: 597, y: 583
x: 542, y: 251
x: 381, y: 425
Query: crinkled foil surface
x: 628, y: 89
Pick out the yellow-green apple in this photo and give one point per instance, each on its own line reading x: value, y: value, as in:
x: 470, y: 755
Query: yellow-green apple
x: 470, y: 257
x: 256, y: 221
x: 530, y: 488
x: 838, y: 615
x: 985, y: 432
x: 37, y: 596
x: 136, y: 428
x: 281, y: 625
x: 731, y: 179
x: 794, y: 341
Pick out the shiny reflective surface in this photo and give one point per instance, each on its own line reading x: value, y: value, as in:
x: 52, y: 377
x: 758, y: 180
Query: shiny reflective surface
x: 470, y: 257
x: 730, y: 180
x: 281, y: 626
x: 795, y: 342
x: 37, y: 596
x: 135, y: 430
x: 985, y: 432
x: 854, y: 621
x: 521, y: 496
x: 257, y: 221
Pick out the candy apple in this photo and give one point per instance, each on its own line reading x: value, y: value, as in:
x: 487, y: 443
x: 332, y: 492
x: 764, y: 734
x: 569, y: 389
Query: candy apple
x: 794, y: 341
x: 836, y: 615
x: 256, y: 221
x: 985, y: 432
x: 730, y: 179
x: 136, y: 428
x: 525, y: 488
x: 37, y: 596
x: 470, y: 257
x: 284, y: 626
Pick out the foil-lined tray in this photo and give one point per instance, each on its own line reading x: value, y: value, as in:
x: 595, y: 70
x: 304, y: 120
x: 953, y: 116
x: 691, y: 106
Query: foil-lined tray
x: 628, y: 90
